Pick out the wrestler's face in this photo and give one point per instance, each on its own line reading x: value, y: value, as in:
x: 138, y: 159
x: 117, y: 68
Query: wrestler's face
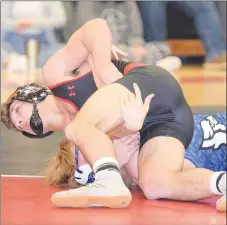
x: 20, y: 114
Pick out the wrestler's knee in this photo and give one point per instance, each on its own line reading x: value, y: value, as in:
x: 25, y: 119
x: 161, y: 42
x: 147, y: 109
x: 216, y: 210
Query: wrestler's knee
x: 157, y: 184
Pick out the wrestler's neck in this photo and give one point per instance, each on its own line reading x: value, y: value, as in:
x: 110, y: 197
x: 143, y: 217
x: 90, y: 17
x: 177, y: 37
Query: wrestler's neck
x: 52, y: 117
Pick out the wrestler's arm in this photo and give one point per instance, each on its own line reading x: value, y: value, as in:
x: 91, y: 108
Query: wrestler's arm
x: 96, y: 37
x: 83, y: 44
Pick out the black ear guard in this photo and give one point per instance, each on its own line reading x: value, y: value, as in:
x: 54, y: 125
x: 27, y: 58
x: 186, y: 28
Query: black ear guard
x: 34, y: 94
x: 36, y: 122
x: 36, y: 136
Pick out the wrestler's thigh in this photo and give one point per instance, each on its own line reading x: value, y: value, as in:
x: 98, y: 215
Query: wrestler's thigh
x: 103, y: 108
x: 159, y: 160
x: 161, y: 153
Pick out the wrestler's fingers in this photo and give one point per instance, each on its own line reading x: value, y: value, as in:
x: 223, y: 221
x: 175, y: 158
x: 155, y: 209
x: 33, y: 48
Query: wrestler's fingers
x: 124, y: 138
x: 147, y: 102
x: 137, y: 146
x: 129, y: 138
x: 133, y: 145
x: 137, y: 92
x: 135, y: 136
x: 115, y: 54
x: 119, y: 51
x: 122, y: 53
x: 134, y: 148
x: 132, y: 138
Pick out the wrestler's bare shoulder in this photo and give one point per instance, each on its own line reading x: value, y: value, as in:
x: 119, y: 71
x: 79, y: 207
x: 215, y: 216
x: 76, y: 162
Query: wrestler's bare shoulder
x: 54, y: 69
x: 65, y: 107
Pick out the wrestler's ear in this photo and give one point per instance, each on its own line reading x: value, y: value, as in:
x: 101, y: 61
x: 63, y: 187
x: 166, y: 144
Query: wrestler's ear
x: 147, y: 102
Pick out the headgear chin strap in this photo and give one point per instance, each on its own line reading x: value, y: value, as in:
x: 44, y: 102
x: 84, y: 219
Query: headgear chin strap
x: 34, y: 94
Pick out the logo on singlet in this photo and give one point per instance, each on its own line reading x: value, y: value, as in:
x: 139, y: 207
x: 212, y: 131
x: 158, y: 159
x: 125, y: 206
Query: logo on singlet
x: 71, y: 91
x: 214, y: 134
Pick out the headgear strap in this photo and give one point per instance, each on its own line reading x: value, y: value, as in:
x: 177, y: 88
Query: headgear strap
x: 34, y: 94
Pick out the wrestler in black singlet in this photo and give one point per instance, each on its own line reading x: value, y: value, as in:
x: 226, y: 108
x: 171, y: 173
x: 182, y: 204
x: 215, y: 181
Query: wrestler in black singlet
x: 169, y: 113
x: 77, y: 90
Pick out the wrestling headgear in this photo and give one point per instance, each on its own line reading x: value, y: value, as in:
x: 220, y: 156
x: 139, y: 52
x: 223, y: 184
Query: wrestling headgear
x: 33, y: 93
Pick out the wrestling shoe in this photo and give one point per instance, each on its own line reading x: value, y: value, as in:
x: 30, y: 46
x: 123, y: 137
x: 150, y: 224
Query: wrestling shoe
x: 106, y: 191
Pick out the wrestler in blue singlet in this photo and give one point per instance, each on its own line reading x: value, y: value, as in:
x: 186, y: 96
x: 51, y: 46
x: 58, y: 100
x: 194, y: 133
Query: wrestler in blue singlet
x: 208, y: 146
x: 207, y: 149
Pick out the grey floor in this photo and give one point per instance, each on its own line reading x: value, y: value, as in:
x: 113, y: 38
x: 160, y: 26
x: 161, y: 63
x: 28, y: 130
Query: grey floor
x: 23, y: 156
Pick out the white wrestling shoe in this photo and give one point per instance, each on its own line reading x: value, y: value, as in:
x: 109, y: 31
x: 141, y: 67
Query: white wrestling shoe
x: 221, y: 204
x: 106, y: 191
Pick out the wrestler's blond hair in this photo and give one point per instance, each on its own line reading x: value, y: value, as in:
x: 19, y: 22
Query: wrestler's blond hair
x: 61, y: 168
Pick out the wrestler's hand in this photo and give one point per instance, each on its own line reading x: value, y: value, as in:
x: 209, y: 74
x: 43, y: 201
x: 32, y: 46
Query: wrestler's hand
x: 118, y: 53
x: 134, y: 110
x: 138, y: 51
x: 125, y: 147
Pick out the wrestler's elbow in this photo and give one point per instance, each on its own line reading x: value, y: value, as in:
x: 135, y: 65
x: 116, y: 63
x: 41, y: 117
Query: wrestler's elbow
x: 91, y: 40
x: 96, y: 23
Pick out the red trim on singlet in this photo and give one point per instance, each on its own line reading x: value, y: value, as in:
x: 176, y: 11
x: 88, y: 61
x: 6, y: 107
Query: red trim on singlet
x: 132, y: 66
x: 67, y: 101
x: 67, y: 81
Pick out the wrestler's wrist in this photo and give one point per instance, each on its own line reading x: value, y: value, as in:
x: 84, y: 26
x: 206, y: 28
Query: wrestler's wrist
x: 108, y: 73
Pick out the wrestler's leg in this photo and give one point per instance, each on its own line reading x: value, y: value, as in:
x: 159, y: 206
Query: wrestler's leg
x: 163, y: 157
x: 188, y: 165
x: 100, y: 114
x: 221, y: 203
x: 214, y: 160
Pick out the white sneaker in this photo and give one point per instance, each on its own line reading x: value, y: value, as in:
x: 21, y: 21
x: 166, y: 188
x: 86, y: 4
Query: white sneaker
x: 104, y: 192
x: 170, y: 63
